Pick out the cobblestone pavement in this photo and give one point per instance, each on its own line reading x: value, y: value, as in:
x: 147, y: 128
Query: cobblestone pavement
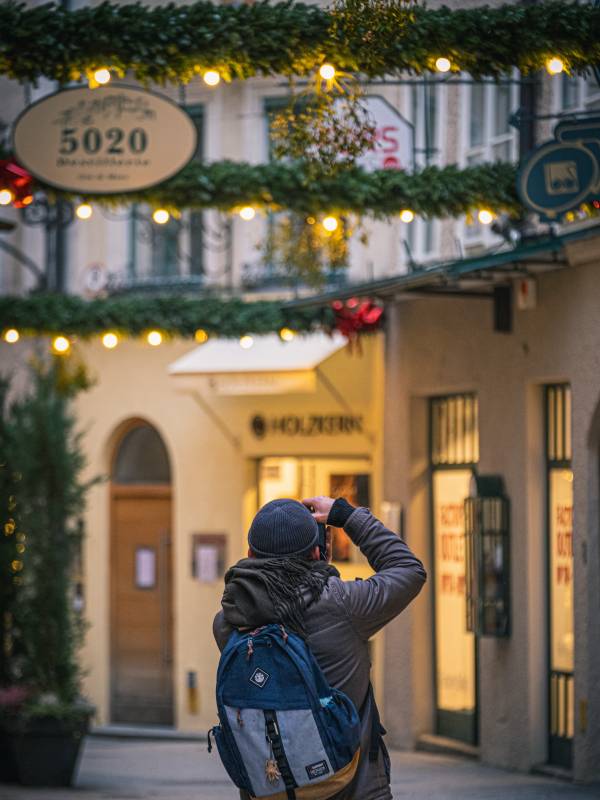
x: 115, y: 769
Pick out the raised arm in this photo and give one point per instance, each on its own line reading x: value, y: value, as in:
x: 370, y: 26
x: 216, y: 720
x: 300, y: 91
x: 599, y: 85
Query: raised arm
x: 399, y: 575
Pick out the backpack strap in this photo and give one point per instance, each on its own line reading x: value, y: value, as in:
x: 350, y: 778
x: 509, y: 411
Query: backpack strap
x: 274, y: 739
x: 377, y: 729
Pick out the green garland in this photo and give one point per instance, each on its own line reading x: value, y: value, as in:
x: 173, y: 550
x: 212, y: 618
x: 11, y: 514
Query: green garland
x: 431, y: 192
x: 49, y: 314
x: 373, y: 37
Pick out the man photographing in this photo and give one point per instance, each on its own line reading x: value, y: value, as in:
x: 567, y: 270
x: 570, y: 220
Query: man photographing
x: 288, y: 580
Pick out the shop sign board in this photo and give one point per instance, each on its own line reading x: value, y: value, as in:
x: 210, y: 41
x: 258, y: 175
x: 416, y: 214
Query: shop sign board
x: 106, y: 140
x: 455, y: 646
x: 563, y: 173
x: 561, y: 566
x: 306, y: 425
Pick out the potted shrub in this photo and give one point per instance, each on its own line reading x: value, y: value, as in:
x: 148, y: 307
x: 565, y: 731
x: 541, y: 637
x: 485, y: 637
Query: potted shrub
x: 43, y: 714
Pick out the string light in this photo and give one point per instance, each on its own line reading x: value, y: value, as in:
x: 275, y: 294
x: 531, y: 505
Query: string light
x: 406, y: 215
x: 246, y: 342
x: 330, y: 224
x: 6, y: 197
x: 110, y: 340
x: 287, y: 334
x: 102, y: 76
x: 84, y: 211
x: 11, y: 336
x: 211, y: 77
x: 554, y: 66
x: 327, y: 72
x: 247, y: 213
x: 154, y: 338
x: 484, y: 216
x: 61, y: 345
x: 161, y: 216
x: 310, y: 220
x: 201, y: 336
x: 443, y: 64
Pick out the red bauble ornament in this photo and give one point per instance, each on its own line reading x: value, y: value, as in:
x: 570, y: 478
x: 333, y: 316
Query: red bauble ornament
x: 18, y: 181
x: 357, y: 316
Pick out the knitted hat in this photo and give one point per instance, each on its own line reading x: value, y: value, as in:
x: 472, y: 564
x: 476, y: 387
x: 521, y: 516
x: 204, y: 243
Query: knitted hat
x: 282, y: 528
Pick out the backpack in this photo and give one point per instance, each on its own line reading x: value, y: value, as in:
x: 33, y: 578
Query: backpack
x: 284, y: 733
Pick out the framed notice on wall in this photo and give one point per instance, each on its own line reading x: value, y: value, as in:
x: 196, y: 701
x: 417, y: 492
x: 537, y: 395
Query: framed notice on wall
x: 208, y: 556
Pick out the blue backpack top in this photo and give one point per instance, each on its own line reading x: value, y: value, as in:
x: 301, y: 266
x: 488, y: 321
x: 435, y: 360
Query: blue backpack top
x: 284, y: 732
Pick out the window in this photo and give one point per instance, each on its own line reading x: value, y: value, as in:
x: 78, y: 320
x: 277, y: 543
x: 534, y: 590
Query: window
x: 426, y: 105
x: 141, y: 458
x: 577, y: 94
x: 488, y: 135
x: 172, y: 250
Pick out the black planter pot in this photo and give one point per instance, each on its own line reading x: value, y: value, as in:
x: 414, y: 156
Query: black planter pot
x: 46, y: 750
x: 8, y: 763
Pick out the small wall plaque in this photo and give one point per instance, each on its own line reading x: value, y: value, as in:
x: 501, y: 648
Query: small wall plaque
x: 208, y: 556
x: 145, y: 568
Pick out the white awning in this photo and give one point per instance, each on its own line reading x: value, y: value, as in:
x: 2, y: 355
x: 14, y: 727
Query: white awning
x: 270, y: 366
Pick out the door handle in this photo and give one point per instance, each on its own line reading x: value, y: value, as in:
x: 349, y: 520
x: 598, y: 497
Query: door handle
x: 164, y: 588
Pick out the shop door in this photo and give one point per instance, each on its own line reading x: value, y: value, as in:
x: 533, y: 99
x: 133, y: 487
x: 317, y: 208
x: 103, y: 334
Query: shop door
x: 560, y: 575
x: 141, y: 602
x: 454, y: 449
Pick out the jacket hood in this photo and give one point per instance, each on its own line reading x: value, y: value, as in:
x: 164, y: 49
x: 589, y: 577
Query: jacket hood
x: 251, y: 597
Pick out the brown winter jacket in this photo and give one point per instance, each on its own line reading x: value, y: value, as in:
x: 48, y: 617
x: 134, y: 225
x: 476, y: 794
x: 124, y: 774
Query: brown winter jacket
x: 340, y: 624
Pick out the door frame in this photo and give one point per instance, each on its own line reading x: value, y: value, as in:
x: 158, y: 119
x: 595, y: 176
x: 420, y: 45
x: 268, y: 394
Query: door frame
x: 456, y: 726
x: 129, y: 491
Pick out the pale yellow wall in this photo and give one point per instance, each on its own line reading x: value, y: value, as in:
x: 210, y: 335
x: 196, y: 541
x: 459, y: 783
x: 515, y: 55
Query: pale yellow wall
x: 213, y: 484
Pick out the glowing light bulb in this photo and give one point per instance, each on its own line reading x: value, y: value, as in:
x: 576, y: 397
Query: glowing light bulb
x: 102, y: 76
x: 555, y: 66
x: 327, y: 72
x: 11, y: 336
x: 247, y: 213
x: 6, y: 197
x: 201, y: 336
x: 154, y: 338
x: 246, y: 342
x: 406, y: 215
x: 443, y: 64
x: 84, y: 211
x: 161, y: 216
x: 61, y: 344
x: 287, y: 334
x: 211, y: 77
x: 330, y: 224
x: 110, y: 340
x: 485, y: 217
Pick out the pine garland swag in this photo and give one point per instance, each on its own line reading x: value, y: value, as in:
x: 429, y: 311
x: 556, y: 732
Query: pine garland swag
x: 50, y: 314
x: 174, y: 43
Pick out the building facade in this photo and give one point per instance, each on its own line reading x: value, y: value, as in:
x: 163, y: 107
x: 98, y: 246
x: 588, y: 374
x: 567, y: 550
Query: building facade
x: 462, y: 382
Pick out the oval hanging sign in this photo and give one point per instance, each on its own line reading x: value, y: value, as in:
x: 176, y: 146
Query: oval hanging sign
x: 104, y: 141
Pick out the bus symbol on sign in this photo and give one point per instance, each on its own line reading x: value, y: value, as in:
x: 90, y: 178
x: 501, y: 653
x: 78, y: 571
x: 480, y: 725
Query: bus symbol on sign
x: 561, y: 177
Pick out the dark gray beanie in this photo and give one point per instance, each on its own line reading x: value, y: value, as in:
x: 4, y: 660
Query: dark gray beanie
x: 282, y: 528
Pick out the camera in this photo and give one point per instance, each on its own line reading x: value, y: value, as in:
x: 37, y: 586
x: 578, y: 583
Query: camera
x: 322, y: 540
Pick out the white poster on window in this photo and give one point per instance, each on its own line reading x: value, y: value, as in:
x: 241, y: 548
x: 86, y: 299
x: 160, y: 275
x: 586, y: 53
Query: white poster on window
x: 561, y: 568
x: 455, y: 646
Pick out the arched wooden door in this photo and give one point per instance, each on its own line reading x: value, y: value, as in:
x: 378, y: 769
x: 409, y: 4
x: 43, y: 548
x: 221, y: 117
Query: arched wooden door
x: 141, y: 581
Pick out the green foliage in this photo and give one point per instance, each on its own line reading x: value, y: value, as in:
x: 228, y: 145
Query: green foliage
x: 303, y: 249
x: 327, y: 132
x: 431, y: 192
x: 45, y: 451
x: 11, y: 540
x: 176, y: 316
x: 374, y: 37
